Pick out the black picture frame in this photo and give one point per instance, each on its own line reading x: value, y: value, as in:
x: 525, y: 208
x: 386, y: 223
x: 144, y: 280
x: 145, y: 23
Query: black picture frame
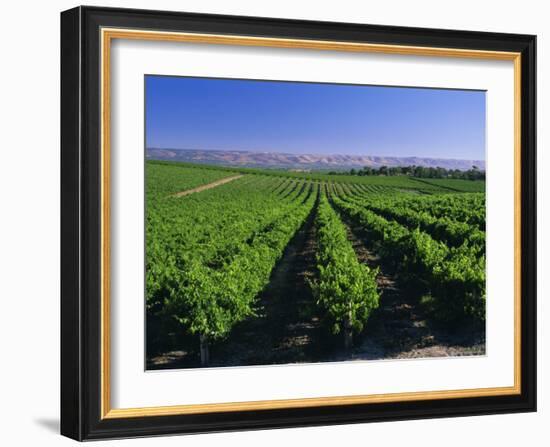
x: 81, y: 224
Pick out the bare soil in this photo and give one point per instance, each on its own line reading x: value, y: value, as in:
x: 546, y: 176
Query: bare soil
x: 220, y: 182
x: 401, y: 326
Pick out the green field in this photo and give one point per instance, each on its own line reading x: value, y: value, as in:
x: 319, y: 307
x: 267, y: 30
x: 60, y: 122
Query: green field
x: 401, y: 182
x: 454, y: 184
x: 283, y: 267
x: 162, y: 180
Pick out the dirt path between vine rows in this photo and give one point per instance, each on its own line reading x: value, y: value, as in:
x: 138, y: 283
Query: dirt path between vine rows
x: 400, y: 327
x: 220, y: 182
x: 285, y: 328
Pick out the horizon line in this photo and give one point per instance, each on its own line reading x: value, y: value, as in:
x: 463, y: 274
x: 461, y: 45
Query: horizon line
x: 311, y: 153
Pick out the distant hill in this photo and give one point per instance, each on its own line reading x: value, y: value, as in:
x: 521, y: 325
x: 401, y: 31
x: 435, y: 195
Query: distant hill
x: 305, y: 162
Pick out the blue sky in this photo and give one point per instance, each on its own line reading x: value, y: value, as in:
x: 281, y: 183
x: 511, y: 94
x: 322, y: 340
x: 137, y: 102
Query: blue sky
x: 292, y: 117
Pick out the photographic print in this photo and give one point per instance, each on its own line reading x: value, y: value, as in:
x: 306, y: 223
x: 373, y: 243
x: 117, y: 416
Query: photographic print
x: 251, y: 207
x: 296, y: 222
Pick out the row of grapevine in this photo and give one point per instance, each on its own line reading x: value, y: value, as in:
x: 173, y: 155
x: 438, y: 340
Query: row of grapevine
x: 212, y: 225
x: 452, y: 232
x: 454, y: 276
x: 462, y: 207
x: 345, y: 289
x: 210, y: 254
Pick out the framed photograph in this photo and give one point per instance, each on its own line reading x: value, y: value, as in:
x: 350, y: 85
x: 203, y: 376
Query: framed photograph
x: 277, y: 223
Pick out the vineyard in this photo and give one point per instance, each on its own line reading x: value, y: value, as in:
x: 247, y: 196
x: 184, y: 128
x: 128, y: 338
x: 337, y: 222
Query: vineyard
x: 247, y: 266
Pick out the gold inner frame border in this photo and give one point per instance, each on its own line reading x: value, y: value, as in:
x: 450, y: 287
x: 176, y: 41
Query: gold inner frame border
x: 107, y: 35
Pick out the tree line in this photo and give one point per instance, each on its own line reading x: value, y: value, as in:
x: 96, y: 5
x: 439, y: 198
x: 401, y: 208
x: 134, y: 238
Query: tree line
x: 474, y: 173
